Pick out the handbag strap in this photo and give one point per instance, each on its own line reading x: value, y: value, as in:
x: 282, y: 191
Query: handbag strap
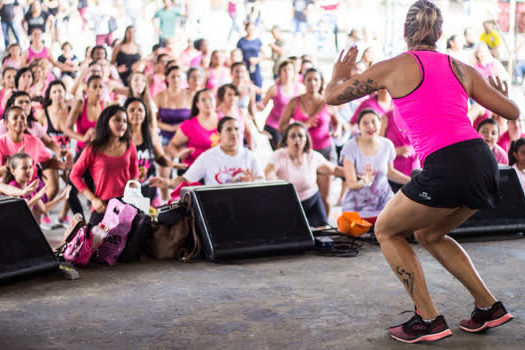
x: 186, y: 256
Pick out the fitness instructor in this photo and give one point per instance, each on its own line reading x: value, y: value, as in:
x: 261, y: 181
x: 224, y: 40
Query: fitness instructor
x: 430, y: 92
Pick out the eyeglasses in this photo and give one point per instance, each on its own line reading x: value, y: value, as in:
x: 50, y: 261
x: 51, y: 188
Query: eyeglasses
x: 298, y: 135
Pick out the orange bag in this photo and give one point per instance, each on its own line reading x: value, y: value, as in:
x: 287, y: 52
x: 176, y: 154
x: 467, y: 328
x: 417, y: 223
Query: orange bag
x: 350, y: 223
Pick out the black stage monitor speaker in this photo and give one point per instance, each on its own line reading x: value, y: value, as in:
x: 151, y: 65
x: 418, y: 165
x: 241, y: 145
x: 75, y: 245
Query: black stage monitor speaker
x: 250, y: 219
x: 508, y: 216
x: 23, y: 248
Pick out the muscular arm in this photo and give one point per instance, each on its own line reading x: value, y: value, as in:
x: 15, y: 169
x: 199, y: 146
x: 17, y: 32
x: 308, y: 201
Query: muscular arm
x: 339, y: 91
x: 483, y: 93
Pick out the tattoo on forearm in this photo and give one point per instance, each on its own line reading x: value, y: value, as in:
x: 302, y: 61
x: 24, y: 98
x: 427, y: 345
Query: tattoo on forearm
x: 407, y: 278
x: 460, y: 73
x: 358, y: 89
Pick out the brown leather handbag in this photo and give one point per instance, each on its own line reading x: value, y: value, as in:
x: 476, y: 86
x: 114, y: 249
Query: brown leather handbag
x: 169, y: 242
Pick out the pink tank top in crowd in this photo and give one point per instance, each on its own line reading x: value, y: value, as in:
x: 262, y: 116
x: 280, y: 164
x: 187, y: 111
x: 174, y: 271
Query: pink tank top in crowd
x: 216, y: 80
x: 157, y: 86
x: 434, y: 115
x: 32, y: 54
x: 2, y: 104
x: 198, y: 137
x: 84, y: 124
x: 279, y: 103
x: 321, y: 133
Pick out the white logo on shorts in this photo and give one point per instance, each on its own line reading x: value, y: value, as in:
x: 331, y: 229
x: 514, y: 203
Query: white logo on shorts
x: 425, y: 196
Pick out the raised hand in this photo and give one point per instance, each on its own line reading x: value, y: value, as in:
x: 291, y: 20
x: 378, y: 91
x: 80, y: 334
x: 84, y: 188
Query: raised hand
x: 497, y: 84
x: 30, y: 188
x: 343, y: 66
x: 157, y: 181
x: 369, y: 175
x: 185, y: 152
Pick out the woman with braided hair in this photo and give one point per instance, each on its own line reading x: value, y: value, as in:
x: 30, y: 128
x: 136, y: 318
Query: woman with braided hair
x: 430, y: 92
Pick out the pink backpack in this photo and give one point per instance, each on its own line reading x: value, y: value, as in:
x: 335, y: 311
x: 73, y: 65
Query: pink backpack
x: 117, y: 223
x: 80, y: 247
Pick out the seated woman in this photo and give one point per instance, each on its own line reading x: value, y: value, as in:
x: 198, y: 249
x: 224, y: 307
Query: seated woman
x: 17, y: 140
x: 111, y: 159
x: 489, y: 130
x: 295, y: 161
x: 517, y: 159
x: 149, y: 147
x: 200, y: 131
x: 368, y: 160
x: 228, y: 97
x: 19, y: 173
x: 227, y: 163
x: 513, y: 133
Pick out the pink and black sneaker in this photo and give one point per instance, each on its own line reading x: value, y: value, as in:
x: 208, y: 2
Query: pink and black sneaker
x: 417, y: 330
x: 484, y: 319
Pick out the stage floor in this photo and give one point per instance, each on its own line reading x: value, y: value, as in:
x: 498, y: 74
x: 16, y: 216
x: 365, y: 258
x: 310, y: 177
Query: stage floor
x: 289, y: 302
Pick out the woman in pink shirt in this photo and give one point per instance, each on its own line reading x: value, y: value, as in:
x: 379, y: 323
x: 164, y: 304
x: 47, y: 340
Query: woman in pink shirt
x: 380, y: 102
x: 198, y: 133
x: 8, y: 87
x: 228, y: 105
x: 489, y: 130
x: 321, y: 121
x: 296, y: 162
x: 285, y: 88
x: 111, y: 158
x: 430, y: 91
x: 218, y: 73
x: 514, y: 132
x: 14, y: 57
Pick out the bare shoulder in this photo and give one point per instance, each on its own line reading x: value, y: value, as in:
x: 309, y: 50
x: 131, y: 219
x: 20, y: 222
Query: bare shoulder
x: 465, y: 73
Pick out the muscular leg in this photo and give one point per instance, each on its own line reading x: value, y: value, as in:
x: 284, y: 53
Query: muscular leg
x: 51, y: 181
x: 165, y: 173
x: 400, y: 217
x: 324, y: 181
x: 453, y: 257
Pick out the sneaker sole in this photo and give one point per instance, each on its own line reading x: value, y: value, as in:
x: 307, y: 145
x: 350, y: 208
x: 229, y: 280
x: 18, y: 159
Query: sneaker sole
x: 490, y: 324
x: 430, y: 337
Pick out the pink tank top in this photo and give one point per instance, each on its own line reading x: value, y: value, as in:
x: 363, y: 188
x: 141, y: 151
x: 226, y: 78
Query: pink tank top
x: 84, y: 124
x: 32, y: 54
x: 279, y: 103
x: 216, y: 80
x: 158, y: 85
x: 237, y: 115
x: 198, y: 137
x: 434, y: 115
x: 2, y: 104
x: 321, y: 133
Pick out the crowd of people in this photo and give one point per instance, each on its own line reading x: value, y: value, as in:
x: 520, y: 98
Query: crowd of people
x: 172, y: 117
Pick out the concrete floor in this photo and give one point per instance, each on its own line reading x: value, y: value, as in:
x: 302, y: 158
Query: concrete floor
x: 288, y: 302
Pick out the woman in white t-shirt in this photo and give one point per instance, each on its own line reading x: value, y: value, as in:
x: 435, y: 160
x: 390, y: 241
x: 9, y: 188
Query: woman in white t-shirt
x: 226, y: 163
x: 295, y: 161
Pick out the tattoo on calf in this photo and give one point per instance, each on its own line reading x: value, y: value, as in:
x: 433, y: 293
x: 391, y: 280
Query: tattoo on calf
x: 358, y: 89
x: 456, y: 67
x: 407, y: 278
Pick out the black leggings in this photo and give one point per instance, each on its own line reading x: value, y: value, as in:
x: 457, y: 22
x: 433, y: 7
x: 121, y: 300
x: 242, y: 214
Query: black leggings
x: 73, y: 201
x: 276, y: 137
x: 314, y: 209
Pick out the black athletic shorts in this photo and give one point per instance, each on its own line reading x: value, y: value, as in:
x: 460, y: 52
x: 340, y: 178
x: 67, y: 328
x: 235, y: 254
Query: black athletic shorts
x: 462, y: 174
